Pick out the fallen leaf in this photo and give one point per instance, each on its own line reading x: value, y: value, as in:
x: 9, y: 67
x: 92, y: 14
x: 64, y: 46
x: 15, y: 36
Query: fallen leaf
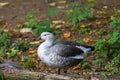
x: 58, y: 21
x: 67, y: 35
x: 105, y: 7
x: 32, y: 51
x: 52, y: 4
x: 76, y: 67
x: 98, y: 22
x: 62, y: 2
x: 101, y: 12
x: 61, y: 7
x: 23, y: 30
x: 69, y: 11
x: 58, y: 26
x: 86, y: 40
x: 91, y: 0
x: 3, y: 3
x: 36, y: 42
x: 82, y: 26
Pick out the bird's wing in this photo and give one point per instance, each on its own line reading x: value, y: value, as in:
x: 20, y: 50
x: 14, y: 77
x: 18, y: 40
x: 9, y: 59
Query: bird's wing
x: 83, y: 47
x: 65, y: 50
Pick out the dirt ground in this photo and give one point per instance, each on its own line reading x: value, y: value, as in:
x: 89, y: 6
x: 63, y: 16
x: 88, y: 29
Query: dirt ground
x: 13, y: 13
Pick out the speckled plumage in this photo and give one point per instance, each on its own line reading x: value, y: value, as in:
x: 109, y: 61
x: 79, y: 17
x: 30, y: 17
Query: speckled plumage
x: 63, y: 54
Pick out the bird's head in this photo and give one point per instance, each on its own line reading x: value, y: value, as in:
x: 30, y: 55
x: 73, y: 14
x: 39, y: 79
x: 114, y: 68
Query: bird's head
x: 46, y: 36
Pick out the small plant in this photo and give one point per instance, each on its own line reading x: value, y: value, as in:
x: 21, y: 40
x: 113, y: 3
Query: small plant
x: 12, y: 52
x: 2, y: 77
x: 84, y: 64
x: 4, y: 42
x: 79, y: 12
x: 37, y: 27
x: 52, y: 11
x: 27, y: 62
x: 109, y: 47
x: 19, y: 45
x: 8, y: 48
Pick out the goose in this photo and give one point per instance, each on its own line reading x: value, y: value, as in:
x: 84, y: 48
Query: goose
x: 61, y: 54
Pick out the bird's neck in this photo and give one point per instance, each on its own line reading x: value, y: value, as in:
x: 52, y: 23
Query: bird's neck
x: 48, y: 43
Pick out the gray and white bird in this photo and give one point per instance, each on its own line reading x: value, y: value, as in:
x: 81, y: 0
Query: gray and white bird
x: 62, y: 54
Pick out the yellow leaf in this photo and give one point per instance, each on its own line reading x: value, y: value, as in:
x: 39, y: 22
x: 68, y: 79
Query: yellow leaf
x: 112, y: 17
x: 91, y: 0
x: 58, y: 26
x: 86, y: 40
x: 3, y: 3
x: 69, y: 10
x: 34, y: 55
x: 101, y: 12
x: 67, y: 35
x: 62, y: 2
x: 105, y: 7
x: 82, y: 26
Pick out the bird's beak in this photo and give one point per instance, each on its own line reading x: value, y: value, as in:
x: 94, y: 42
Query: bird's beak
x: 39, y: 38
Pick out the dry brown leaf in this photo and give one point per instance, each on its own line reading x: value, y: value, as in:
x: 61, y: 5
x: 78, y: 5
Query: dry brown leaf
x: 76, y: 67
x: 3, y: 3
x: 52, y: 4
x: 67, y: 35
x: 98, y: 22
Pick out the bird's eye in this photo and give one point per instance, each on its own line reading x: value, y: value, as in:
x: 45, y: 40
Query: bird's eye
x: 45, y: 35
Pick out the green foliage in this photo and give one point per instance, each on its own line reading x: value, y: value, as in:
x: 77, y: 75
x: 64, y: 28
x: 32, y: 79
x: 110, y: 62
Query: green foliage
x: 31, y: 23
x: 109, y: 47
x: 37, y: 27
x: 27, y: 62
x: 84, y: 30
x: 79, y: 12
x: 52, y: 11
x: 2, y: 77
x: 84, y: 64
x: 30, y: 14
x: 101, y: 31
x: 8, y: 48
x: 4, y: 39
x: 4, y: 42
x: 12, y: 52
x: 42, y: 27
x: 19, y: 45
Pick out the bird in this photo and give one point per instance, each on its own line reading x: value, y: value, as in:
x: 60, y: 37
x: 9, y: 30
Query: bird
x: 62, y: 54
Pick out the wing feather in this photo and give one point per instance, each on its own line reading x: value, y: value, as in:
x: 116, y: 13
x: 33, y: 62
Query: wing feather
x: 65, y: 50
